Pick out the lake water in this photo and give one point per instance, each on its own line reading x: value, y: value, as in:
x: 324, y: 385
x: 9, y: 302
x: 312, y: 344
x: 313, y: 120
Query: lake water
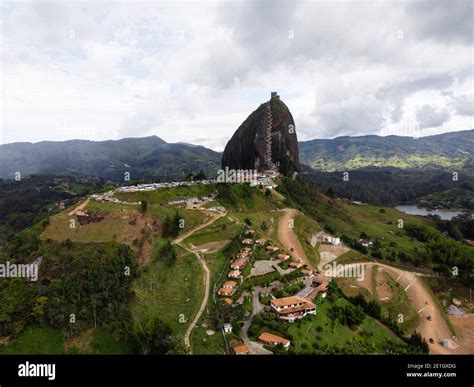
x: 412, y: 209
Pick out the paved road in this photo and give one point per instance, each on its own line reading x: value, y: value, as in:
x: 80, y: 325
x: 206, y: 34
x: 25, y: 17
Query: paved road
x: 257, y: 307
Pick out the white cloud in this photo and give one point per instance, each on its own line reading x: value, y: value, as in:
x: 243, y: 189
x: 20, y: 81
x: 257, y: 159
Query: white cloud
x: 100, y: 71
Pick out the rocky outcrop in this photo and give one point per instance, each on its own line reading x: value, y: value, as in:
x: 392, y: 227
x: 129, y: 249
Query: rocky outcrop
x: 266, y: 140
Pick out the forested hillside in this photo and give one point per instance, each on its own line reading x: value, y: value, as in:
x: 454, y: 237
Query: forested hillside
x: 447, y: 150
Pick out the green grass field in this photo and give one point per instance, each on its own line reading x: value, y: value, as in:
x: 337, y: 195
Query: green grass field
x: 352, y: 220
x: 398, y: 305
x: 221, y: 230
x: 257, y: 219
x: 200, y: 341
x: 37, y: 340
x: 318, y: 331
x: 321, y: 334
x: 304, y: 228
x: 352, y: 256
x: 204, y: 344
x: 170, y: 293
x: 116, y: 224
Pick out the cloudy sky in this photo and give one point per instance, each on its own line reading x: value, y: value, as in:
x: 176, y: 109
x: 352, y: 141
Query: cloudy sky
x: 193, y: 71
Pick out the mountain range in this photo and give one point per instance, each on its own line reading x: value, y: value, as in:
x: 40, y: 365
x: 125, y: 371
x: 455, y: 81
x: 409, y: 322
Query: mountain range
x: 144, y: 158
x: 154, y: 158
x: 445, y: 150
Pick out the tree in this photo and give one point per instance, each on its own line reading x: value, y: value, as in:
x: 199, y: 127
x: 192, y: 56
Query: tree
x: 200, y: 176
x: 143, y: 206
x: 330, y: 193
x: 454, y: 231
x: 167, y: 254
x: 171, y: 226
x: 153, y: 337
x: 374, y: 310
x: 418, y: 343
x: 38, y: 308
x: 348, y: 314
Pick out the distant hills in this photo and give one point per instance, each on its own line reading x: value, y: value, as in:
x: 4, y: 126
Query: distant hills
x: 154, y: 158
x: 347, y: 153
x: 145, y: 158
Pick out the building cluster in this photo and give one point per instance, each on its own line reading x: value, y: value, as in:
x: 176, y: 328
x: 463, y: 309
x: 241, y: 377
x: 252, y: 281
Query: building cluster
x: 237, y: 265
x: 265, y: 180
x: 266, y: 338
x: 155, y: 186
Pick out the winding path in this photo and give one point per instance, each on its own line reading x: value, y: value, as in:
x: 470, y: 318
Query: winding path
x: 257, y: 307
x: 207, y: 274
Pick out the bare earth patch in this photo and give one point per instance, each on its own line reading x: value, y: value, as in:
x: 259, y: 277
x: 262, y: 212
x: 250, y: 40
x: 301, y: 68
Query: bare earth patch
x: 465, y: 328
x: 366, y: 283
x: 423, y: 302
x: 329, y: 253
x: 211, y: 246
x: 384, y: 292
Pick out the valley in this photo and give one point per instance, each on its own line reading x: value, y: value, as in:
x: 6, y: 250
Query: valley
x: 182, y: 293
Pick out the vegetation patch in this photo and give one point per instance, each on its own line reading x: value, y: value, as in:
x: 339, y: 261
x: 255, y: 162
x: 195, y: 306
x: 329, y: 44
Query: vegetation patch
x: 170, y: 293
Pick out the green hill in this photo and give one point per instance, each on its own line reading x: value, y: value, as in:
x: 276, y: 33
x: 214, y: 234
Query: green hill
x: 447, y: 150
x: 143, y: 158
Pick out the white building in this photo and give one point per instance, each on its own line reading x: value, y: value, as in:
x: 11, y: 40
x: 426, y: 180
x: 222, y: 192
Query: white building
x: 227, y: 328
x: 327, y: 238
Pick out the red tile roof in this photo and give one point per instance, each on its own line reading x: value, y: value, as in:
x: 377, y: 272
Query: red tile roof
x: 272, y: 339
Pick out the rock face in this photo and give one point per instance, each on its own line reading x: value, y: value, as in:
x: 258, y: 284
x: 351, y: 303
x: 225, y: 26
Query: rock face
x: 265, y: 141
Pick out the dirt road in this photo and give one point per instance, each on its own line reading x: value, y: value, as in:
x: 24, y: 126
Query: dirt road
x: 79, y: 207
x: 288, y: 238
x: 425, y: 305
x: 206, y: 278
x: 420, y: 297
x: 213, y: 218
x: 207, y: 284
